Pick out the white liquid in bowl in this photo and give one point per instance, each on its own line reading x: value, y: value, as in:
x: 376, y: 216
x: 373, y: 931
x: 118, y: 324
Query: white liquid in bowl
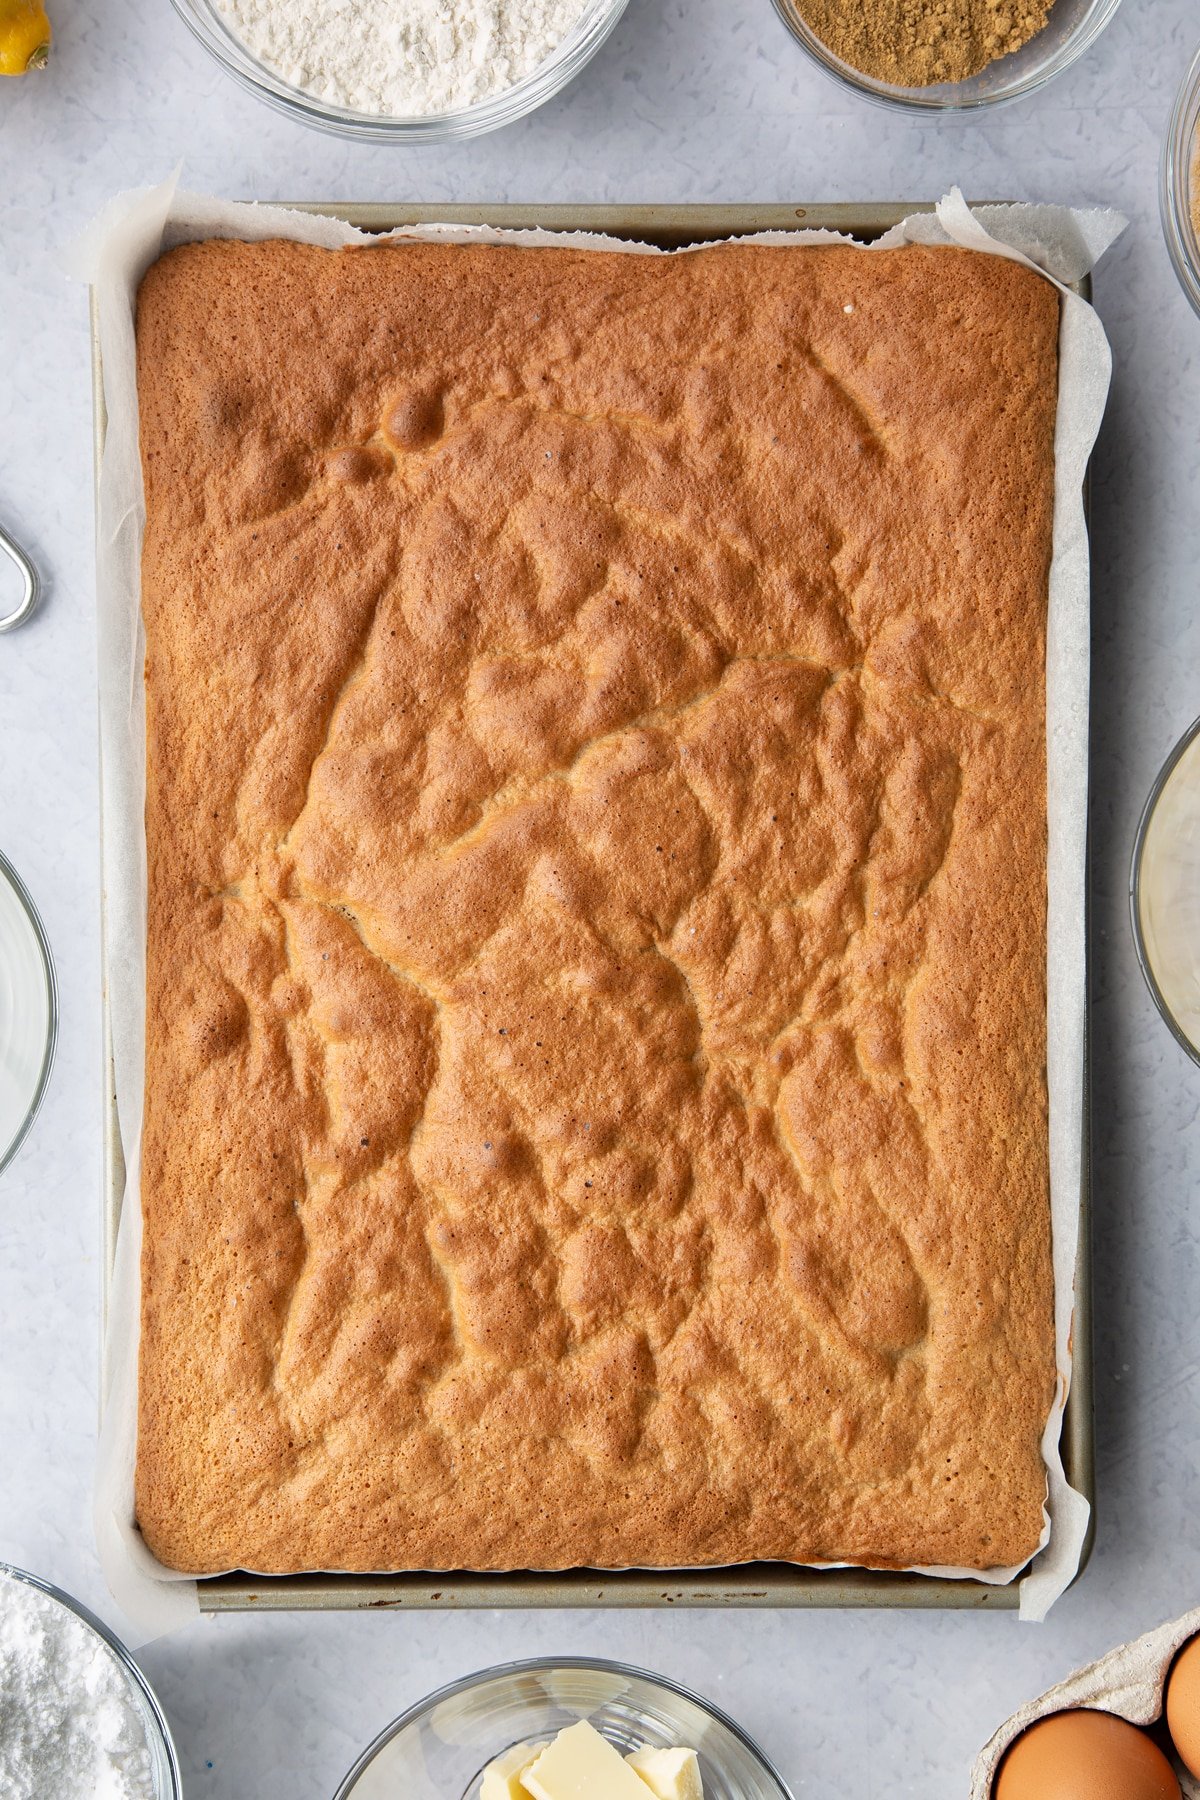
x: 26, y: 1016
x: 1169, y: 893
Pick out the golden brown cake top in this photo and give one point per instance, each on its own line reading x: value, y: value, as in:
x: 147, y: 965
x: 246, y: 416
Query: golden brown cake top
x: 596, y: 824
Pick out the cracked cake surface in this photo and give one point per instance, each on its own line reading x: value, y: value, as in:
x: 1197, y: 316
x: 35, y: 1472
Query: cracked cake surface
x: 595, y: 1089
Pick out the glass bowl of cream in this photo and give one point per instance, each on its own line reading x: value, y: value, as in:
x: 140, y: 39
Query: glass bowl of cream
x: 426, y: 71
x: 79, y: 1717
x: 441, y: 1748
x: 1071, y: 28
x: 1164, y: 891
x: 28, y: 1012
x: 1179, y: 184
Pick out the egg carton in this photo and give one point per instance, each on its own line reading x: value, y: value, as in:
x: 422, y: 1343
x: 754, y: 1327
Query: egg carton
x: 1129, y: 1682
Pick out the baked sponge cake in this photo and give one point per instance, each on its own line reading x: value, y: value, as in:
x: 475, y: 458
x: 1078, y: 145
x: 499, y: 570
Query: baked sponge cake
x: 595, y: 1095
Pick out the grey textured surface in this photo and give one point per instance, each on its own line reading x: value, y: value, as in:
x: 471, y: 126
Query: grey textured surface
x: 708, y: 100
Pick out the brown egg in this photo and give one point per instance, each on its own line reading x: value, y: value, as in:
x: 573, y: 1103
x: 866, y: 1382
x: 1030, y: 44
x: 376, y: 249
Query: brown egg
x: 1183, y: 1706
x: 1085, y: 1756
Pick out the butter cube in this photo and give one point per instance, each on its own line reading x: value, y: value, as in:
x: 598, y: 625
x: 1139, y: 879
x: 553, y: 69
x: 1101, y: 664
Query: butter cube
x: 502, y: 1778
x: 581, y: 1765
x: 669, y: 1774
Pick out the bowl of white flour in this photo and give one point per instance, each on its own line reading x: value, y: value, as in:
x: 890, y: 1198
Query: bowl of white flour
x: 77, y: 1718
x: 408, y: 71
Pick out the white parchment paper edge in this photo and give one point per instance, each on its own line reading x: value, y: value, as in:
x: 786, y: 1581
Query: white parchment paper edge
x: 113, y: 256
x: 1129, y: 1682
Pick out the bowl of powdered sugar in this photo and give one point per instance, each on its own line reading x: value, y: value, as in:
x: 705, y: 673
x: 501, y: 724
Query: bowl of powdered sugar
x: 77, y: 1718
x: 411, y: 71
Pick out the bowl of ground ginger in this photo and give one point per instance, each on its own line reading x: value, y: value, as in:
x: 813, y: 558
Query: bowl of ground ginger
x: 1179, y: 191
x: 945, y: 55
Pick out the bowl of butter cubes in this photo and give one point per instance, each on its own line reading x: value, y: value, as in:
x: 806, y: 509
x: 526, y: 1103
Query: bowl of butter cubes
x: 563, y: 1729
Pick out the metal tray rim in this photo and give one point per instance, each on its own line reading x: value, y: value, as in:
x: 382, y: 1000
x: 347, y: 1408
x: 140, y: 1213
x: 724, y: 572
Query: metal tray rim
x: 748, y: 1584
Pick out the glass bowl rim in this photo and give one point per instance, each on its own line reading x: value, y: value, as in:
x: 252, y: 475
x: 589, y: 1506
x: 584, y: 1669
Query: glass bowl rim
x: 131, y: 1669
x: 24, y: 900
x: 1080, y: 39
x: 538, y: 1665
x: 1183, y: 242
x: 1174, y: 758
x: 597, y: 21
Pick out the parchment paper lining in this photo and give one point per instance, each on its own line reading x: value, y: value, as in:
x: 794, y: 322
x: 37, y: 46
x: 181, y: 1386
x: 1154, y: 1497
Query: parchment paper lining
x: 114, y: 254
x: 1129, y: 1682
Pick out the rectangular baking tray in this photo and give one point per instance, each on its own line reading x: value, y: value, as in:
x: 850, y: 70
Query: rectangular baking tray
x: 747, y: 1584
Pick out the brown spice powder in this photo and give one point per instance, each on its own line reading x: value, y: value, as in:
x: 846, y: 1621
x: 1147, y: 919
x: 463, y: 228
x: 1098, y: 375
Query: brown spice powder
x: 914, y: 43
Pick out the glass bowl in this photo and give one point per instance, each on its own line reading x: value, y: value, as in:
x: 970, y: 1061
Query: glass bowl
x: 577, y: 49
x: 1179, y: 185
x: 1164, y: 891
x: 28, y: 1012
x: 439, y: 1748
x: 163, y: 1761
x: 1072, y: 27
